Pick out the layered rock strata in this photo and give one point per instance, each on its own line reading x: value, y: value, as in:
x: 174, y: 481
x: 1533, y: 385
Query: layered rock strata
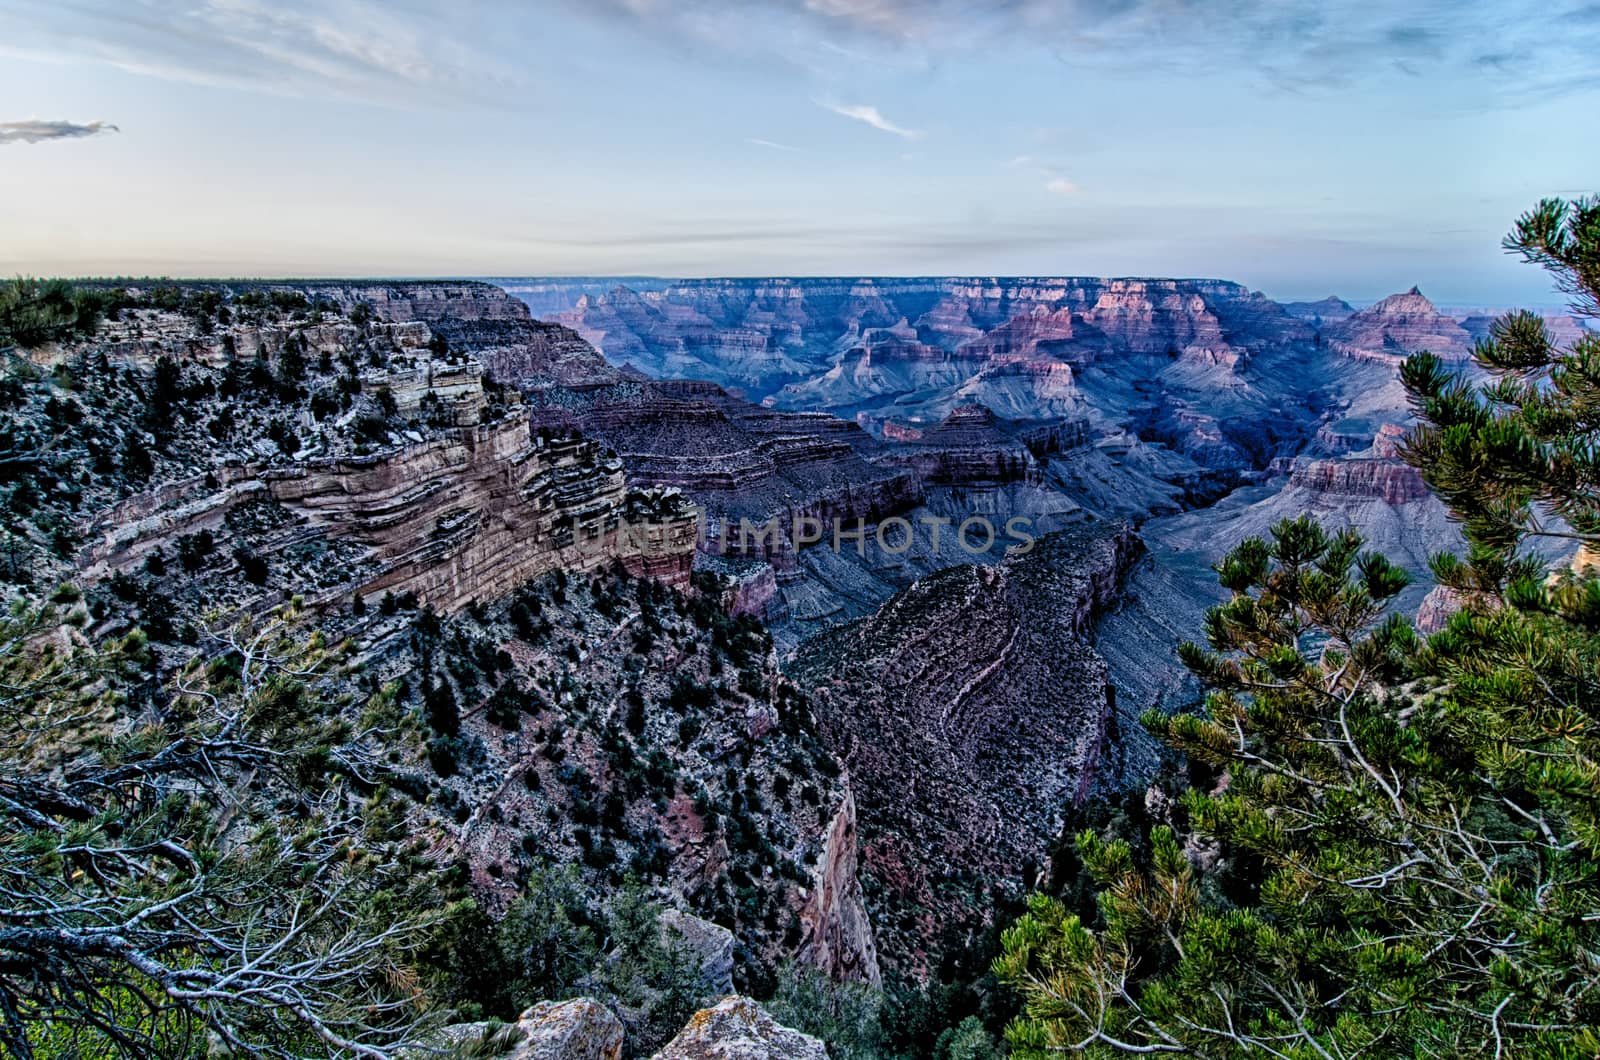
x: 451, y: 520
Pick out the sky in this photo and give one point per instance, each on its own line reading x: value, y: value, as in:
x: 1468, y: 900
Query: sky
x: 1303, y: 148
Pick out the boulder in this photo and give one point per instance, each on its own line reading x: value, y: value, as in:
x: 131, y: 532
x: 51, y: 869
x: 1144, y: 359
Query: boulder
x: 737, y: 1028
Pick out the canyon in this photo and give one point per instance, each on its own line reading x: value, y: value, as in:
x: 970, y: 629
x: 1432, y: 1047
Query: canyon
x: 700, y: 569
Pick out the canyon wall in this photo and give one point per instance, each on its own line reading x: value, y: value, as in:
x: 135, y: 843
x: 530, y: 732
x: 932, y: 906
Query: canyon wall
x: 970, y: 710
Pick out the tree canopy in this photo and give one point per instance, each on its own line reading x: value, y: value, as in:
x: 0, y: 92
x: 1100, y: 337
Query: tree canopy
x: 33, y: 312
x: 1399, y: 854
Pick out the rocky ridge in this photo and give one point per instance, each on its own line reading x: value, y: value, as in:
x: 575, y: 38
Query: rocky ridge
x: 970, y: 711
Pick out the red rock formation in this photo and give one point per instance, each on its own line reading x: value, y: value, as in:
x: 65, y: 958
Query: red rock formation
x: 758, y: 331
x: 968, y: 447
x: 1397, y: 327
x: 739, y: 461
x: 1436, y: 609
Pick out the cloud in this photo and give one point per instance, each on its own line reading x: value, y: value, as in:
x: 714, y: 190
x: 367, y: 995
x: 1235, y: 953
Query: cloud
x: 1294, y: 44
x: 771, y: 145
x: 351, y: 49
x: 872, y: 117
x: 433, y: 51
x: 35, y: 131
x: 1050, y: 177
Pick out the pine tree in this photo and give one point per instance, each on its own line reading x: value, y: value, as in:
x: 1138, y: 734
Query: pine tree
x: 1407, y: 829
x: 152, y: 909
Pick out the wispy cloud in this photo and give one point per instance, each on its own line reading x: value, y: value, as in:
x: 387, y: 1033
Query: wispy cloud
x: 871, y: 116
x: 1051, y: 177
x: 352, y: 49
x: 1294, y: 44
x: 771, y: 145
x: 35, y: 131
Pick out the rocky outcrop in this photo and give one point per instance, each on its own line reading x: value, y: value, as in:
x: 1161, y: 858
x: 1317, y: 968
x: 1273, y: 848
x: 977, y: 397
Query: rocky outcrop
x: 140, y: 337
x: 737, y: 1028
x: 970, y: 446
x: 448, y: 302
x: 707, y: 946
x: 1397, y: 327
x: 484, y: 321
x: 740, y: 463
x: 582, y: 1029
x: 836, y: 930
x: 752, y: 586
x: 970, y: 709
x: 1436, y: 608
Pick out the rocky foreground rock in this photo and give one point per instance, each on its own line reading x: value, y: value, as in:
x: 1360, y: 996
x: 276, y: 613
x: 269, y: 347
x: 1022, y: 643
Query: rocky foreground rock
x: 736, y: 1028
x: 582, y: 1029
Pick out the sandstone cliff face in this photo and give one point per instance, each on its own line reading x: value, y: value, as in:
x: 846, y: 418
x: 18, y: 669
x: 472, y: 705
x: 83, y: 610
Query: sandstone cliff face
x: 762, y: 333
x: 741, y: 463
x: 968, y: 446
x: 484, y: 321
x: 440, y: 489
x: 138, y: 338
x: 970, y: 709
x: 1436, y: 608
x: 580, y: 1029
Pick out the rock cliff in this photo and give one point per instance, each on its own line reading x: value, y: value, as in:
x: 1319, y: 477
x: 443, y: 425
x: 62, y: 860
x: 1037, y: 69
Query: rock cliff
x: 837, y: 931
x: 580, y: 1029
x: 1389, y: 480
